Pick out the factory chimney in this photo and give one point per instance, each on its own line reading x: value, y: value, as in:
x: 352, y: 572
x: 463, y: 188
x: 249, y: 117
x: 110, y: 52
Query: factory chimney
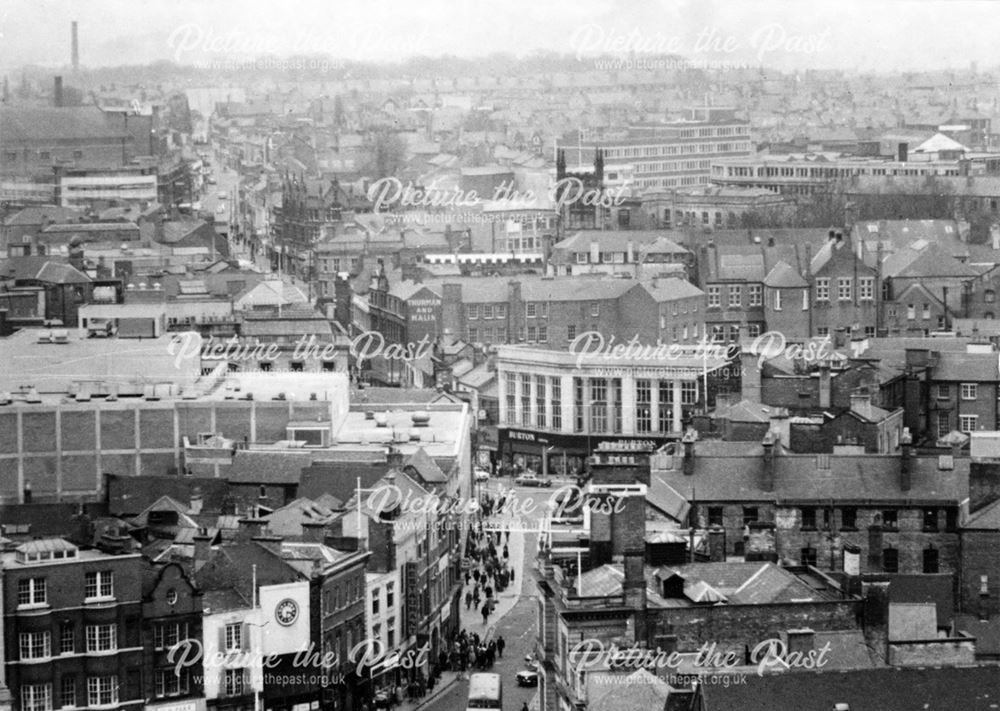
x: 76, y: 49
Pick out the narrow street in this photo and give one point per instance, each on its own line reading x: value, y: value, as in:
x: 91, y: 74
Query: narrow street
x: 518, y: 625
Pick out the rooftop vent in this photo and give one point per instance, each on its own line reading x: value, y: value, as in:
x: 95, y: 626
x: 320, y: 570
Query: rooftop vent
x: 382, y: 419
x: 420, y: 419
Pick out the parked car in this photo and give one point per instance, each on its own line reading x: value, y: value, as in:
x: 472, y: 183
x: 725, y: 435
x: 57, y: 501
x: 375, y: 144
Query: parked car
x: 527, y: 677
x: 531, y: 480
x: 481, y: 475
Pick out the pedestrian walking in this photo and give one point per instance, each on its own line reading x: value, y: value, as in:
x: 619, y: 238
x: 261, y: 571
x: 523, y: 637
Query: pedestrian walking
x: 500, y: 645
x: 468, y: 600
x: 486, y: 611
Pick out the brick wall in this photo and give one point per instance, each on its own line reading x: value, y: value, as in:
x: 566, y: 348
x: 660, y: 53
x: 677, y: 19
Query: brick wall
x: 732, y: 627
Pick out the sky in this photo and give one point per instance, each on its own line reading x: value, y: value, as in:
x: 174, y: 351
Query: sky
x: 864, y: 35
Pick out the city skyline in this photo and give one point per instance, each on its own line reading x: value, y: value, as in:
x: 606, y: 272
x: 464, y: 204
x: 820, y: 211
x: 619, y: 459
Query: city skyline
x: 715, y: 34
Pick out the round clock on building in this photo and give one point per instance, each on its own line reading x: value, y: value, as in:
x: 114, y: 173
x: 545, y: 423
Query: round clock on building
x: 286, y: 611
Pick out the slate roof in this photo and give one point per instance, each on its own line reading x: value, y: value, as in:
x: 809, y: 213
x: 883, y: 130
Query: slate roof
x: 56, y: 273
x: 130, y: 495
x: 44, y: 213
x: 784, y: 275
x: 639, y: 691
x: 885, y: 689
x: 671, y: 288
x: 254, y: 466
x: 799, y: 477
x: 46, y: 124
x: 425, y: 467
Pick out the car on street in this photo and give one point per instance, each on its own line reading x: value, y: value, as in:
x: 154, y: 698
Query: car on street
x: 531, y: 480
x: 527, y: 677
x: 481, y: 475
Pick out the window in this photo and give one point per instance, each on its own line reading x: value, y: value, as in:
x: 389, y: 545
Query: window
x: 526, y: 400
x: 930, y: 561
x: 808, y: 518
x: 35, y: 645
x: 67, y: 643
x: 598, y: 405
x: 555, y: 391
x: 890, y: 560
x: 666, y: 414
x: 102, y: 690
x: 753, y: 330
x: 540, y: 401
x: 570, y: 332
x: 532, y: 334
x: 582, y: 257
x: 749, y: 515
x: 844, y: 288
x: 967, y: 423
x: 943, y: 391
x: 390, y: 596
x: 473, y: 334
x: 951, y: 519
x: 715, y: 516
x: 930, y: 519
x: 911, y: 312
x: 234, y: 637
x: 866, y: 288
x: 890, y: 519
x: 989, y: 296
x: 36, y: 697
x: 510, y: 394
x: 823, y: 289
x: 595, y: 309
x: 390, y: 632
x: 735, y: 297
x: 68, y: 691
x: 643, y: 406
x: 756, y: 292
x: 31, y: 591
x: 296, y: 366
x: 100, y: 584
x: 543, y: 334
x: 473, y: 311
x: 530, y: 310
x: 969, y: 391
x: 925, y: 312
x: 714, y: 297
x: 689, y: 393
x: 501, y: 310
x: 232, y: 682
x: 171, y: 682
x: 809, y: 556
x: 777, y: 299
x: 168, y: 634
x: 102, y: 638
x: 943, y: 424
x: 848, y: 519
x: 578, y: 413
x: 488, y: 311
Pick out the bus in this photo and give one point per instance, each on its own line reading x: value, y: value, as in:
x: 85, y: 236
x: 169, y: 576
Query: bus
x: 485, y: 692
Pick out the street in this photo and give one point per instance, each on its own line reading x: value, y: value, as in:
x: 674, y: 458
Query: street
x: 519, y: 624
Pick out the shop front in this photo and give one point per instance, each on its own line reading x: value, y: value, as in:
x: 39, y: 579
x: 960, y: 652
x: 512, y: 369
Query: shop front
x: 562, y: 455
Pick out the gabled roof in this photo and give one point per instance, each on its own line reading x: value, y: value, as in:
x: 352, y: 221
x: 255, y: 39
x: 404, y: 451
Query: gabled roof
x: 425, y: 467
x: 739, y: 476
x: 56, y: 273
x: 939, y: 142
x: 783, y: 276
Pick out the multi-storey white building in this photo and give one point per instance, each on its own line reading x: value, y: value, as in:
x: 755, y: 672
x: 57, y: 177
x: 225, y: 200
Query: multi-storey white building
x: 564, y: 404
x: 665, y: 155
